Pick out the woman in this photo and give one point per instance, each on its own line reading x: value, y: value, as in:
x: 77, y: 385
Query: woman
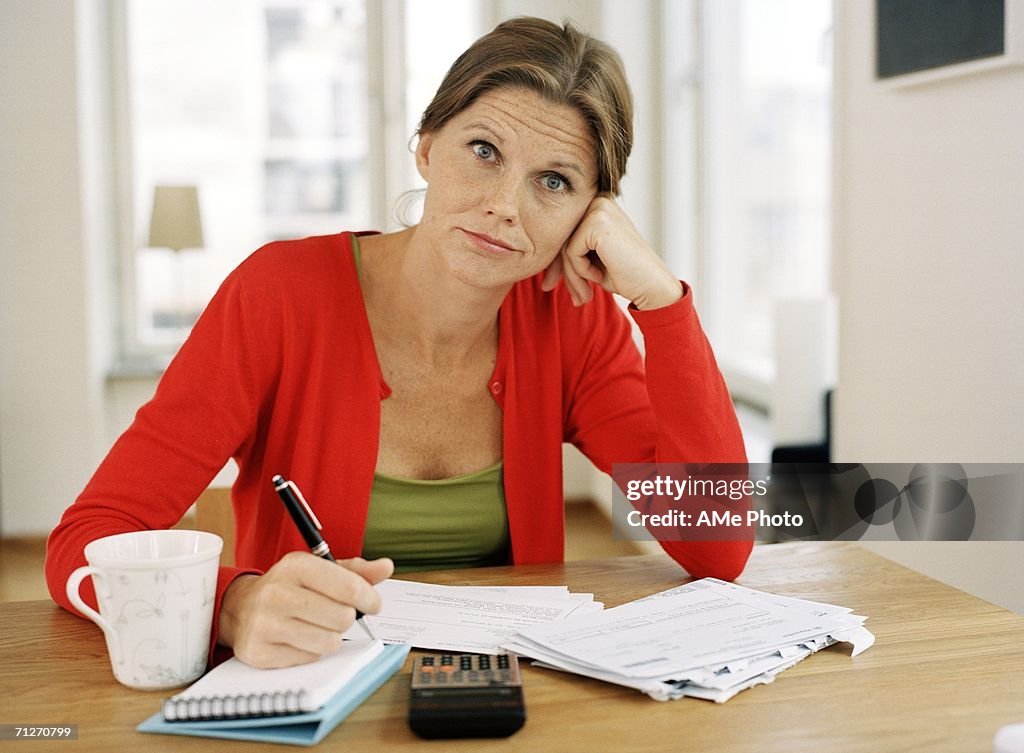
x: 418, y: 385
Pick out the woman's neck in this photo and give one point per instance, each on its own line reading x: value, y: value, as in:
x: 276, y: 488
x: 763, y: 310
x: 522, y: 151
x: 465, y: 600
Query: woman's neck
x: 416, y: 303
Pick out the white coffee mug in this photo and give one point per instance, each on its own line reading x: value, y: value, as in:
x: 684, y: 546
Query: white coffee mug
x: 155, y: 591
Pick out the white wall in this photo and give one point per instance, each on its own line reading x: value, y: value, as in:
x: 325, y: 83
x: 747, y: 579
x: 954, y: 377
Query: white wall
x: 929, y: 227
x: 52, y: 290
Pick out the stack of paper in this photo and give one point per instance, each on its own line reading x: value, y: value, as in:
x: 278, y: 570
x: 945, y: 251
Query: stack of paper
x: 707, y: 639
x: 467, y: 618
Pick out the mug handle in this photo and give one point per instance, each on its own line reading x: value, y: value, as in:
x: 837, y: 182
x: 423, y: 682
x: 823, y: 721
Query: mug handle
x: 74, y: 582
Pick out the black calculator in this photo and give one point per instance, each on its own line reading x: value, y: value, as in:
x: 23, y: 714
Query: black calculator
x: 466, y: 695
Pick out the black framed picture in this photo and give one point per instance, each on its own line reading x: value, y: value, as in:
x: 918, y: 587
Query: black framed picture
x: 920, y: 40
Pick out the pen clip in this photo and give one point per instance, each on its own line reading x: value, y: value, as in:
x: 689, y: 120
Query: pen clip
x: 309, y: 510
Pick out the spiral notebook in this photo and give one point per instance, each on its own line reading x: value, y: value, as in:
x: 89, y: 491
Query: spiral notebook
x: 297, y: 705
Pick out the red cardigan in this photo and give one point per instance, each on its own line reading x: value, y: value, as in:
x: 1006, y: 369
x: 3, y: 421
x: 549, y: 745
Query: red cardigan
x: 280, y: 373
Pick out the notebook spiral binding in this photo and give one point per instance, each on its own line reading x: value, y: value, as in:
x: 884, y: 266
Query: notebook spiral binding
x: 241, y: 706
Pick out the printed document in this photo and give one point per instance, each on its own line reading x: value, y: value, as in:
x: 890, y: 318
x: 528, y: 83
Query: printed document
x: 467, y: 618
x: 708, y: 639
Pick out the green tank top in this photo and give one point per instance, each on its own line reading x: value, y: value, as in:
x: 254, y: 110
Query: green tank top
x: 430, y: 525
x: 437, y: 524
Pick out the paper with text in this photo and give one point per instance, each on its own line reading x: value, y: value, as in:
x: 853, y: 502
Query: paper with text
x: 467, y: 618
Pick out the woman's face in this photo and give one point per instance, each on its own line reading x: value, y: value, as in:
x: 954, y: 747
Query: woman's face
x: 508, y: 180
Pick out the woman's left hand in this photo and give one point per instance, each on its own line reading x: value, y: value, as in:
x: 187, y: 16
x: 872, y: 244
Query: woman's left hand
x: 607, y: 249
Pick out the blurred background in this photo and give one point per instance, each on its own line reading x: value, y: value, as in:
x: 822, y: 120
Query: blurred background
x: 845, y: 233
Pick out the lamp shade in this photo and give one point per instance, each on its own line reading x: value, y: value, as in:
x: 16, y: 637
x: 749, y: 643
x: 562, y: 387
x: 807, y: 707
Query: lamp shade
x: 175, y: 222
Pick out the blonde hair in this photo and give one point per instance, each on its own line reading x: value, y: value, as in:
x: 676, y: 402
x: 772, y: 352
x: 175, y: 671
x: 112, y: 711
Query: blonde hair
x: 560, y: 63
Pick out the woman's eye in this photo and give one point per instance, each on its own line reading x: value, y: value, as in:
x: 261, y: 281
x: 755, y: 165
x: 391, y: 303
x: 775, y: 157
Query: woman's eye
x: 554, y: 182
x: 483, y: 150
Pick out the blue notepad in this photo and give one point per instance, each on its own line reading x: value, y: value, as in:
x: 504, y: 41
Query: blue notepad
x: 357, y: 674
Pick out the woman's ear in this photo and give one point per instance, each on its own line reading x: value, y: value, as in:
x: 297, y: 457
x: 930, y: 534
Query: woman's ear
x: 423, y: 155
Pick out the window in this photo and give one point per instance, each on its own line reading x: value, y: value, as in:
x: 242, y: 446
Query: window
x: 270, y: 108
x: 750, y: 88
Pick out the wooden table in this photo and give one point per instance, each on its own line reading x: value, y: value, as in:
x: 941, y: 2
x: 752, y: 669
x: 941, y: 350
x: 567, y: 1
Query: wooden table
x: 946, y: 672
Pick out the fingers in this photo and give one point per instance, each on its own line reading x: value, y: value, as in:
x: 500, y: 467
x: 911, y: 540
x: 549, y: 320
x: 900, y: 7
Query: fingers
x: 373, y: 571
x: 606, y: 249
x: 299, y: 609
x: 277, y: 635
x: 582, y: 264
x: 579, y: 291
x: 341, y: 584
x: 273, y: 631
x: 581, y: 257
x: 551, y: 274
x: 575, y: 282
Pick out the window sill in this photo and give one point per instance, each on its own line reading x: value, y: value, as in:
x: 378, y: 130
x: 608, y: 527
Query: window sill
x: 139, y: 367
x: 751, y: 383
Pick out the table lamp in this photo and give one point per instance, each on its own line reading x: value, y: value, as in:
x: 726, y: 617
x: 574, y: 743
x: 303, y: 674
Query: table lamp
x: 175, y: 224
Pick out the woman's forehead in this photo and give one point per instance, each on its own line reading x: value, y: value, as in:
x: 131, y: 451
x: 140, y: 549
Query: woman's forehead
x: 525, y: 116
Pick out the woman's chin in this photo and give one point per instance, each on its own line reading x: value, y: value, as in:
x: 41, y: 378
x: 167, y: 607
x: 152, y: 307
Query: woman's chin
x: 484, y: 273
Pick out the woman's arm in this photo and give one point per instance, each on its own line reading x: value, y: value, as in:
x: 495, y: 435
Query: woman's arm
x: 672, y: 407
x: 204, y: 409
x: 214, y: 402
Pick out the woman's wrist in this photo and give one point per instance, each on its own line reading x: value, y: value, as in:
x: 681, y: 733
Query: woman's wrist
x: 665, y: 295
x: 229, y: 618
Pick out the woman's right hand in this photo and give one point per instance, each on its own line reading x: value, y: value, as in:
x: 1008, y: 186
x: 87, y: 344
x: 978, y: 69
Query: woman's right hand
x: 296, y: 611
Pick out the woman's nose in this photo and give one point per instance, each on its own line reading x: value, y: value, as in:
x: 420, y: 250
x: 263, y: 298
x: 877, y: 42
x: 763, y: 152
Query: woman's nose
x: 502, y: 199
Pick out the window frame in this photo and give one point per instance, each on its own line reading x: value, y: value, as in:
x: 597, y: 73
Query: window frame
x: 687, y: 230
x: 388, y: 172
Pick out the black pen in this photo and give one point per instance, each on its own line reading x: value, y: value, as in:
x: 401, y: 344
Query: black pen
x: 308, y: 526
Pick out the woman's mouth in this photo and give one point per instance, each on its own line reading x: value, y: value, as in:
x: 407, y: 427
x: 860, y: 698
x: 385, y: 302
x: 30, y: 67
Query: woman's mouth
x: 489, y: 244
